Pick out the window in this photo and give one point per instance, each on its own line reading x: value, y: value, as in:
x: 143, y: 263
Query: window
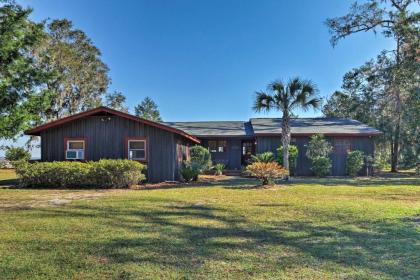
x: 248, y: 148
x: 75, y: 149
x: 136, y: 149
x: 212, y: 146
x: 217, y: 146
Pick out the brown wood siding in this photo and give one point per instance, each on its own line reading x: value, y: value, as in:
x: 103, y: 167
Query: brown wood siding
x: 106, y: 137
x: 182, y: 153
x: 363, y: 143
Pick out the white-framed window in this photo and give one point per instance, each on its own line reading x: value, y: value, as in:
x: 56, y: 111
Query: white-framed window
x: 75, y: 149
x: 136, y: 149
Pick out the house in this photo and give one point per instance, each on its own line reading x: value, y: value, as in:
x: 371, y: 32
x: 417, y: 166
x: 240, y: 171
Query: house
x: 107, y: 133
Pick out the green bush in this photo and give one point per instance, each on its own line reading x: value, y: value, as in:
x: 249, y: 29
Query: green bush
x: 263, y: 157
x: 58, y: 174
x: 200, y: 157
x: 116, y: 173
x: 354, y: 162
x: 190, y: 172
x: 321, y: 166
x: 219, y: 168
x: 17, y: 153
x: 293, y: 155
x: 73, y: 174
x: 318, y: 146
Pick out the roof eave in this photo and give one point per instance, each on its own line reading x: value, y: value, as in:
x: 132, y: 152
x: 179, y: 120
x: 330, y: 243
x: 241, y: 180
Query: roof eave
x: 349, y: 134
x: 36, y: 130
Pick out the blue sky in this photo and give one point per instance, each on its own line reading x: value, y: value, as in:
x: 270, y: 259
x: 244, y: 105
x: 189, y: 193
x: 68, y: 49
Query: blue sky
x: 203, y: 60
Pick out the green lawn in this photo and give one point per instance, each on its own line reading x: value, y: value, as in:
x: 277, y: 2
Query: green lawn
x: 309, y: 229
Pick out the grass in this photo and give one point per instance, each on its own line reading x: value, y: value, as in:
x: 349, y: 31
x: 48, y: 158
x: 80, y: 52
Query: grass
x: 308, y: 229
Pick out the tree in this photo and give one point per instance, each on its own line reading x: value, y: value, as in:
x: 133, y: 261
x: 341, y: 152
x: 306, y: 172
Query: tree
x: 148, y: 110
x: 81, y: 76
x: 17, y: 153
x: 318, y: 151
x: 318, y: 146
x: 22, y: 84
x: 366, y: 97
x: 297, y: 94
x: 397, y: 19
x: 116, y: 100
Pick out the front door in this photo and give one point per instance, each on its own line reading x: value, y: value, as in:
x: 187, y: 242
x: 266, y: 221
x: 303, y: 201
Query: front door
x: 248, y: 149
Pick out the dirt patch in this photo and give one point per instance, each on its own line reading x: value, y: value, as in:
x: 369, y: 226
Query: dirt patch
x: 55, y: 199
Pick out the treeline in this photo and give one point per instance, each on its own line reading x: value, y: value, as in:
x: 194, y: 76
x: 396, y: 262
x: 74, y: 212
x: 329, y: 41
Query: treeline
x: 49, y: 70
x: 385, y: 91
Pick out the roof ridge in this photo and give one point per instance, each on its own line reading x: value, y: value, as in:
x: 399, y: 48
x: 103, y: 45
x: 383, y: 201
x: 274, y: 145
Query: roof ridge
x: 310, y: 118
x: 201, y: 121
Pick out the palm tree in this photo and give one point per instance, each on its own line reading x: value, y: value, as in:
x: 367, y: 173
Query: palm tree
x: 297, y: 94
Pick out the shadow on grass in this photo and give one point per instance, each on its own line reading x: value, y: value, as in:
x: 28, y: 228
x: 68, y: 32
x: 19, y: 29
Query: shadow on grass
x: 243, y: 183
x: 177, y: 235
x: 8, y: 183
x: 356, y: 182
x: 227, y: 182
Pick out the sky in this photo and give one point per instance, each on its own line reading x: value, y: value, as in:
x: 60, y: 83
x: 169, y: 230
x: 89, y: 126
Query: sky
x: 204, y: 60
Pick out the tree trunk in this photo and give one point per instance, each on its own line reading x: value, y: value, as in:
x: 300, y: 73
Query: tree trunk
x: 395, y: 145
x: 398, y: 109
x: 285, y: 139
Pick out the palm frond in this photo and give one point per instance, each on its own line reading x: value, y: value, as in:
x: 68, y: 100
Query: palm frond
x: 276, y: 86
x: 294, y: 86
x: 314, y: 103
x: 263, y: 102
x: 302, y: 98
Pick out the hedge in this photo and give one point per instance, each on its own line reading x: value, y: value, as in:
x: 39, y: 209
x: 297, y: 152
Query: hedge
x: 106, y: 173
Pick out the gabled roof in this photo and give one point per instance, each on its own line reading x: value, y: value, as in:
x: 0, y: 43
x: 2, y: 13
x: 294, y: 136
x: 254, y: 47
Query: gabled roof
x: 309, y: 126
x: 102, y: 109
x: 215, y: 128
x: 253, y: 127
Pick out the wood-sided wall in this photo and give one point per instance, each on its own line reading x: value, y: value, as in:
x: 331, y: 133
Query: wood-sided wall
x: 106, y: 138
x: 338, y: 156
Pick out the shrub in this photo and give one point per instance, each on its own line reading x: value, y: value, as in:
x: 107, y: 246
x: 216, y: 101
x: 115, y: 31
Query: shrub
x: 293, y: 155
x: 189, y: 172
x: 318, y: 146
x: 17, y: 153
x: 318, y: 150
x: 219, y: 168
x: 53, y: 174
x: 267, y: 172
x: 73, y: 174
x: 200, y: 157
x: 354, y: 162
x: 116, y: 173
x: 321, y: 166
x: 264, y: 157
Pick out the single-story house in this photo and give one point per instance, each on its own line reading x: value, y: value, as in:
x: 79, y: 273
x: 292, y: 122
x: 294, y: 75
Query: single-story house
x: 107, y: 133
